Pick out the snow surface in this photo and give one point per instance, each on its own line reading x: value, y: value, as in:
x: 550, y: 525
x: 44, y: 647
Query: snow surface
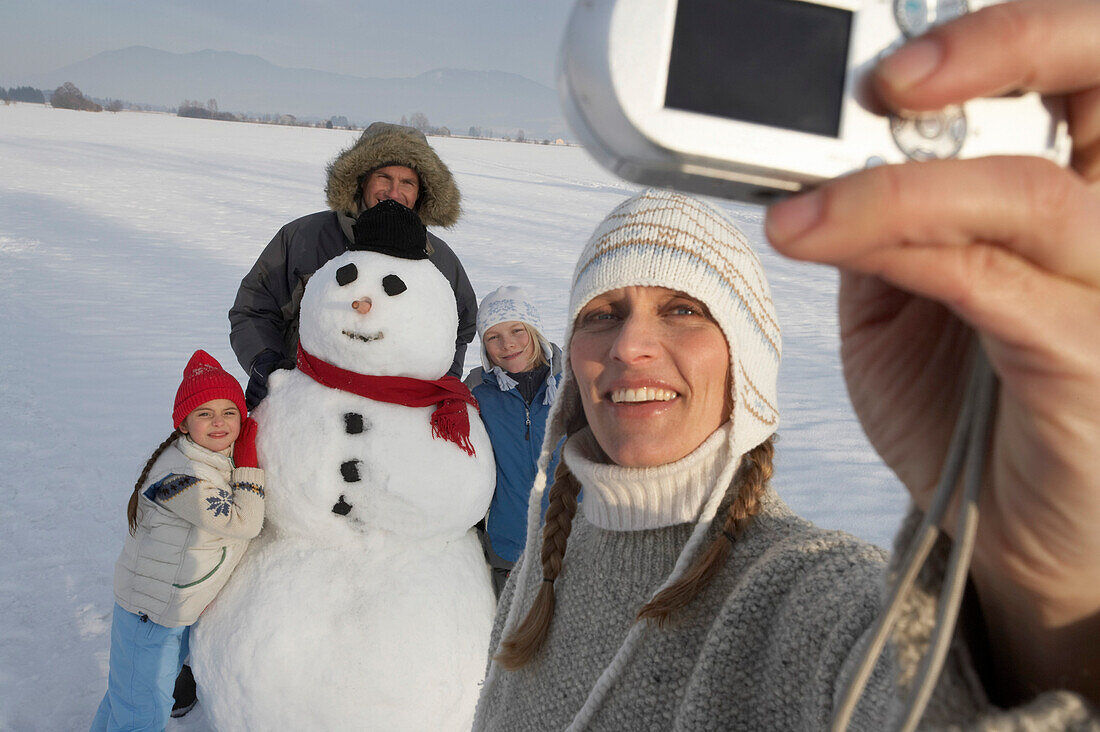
x: 122, y: 240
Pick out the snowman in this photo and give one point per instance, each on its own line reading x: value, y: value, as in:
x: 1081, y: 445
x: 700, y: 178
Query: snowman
x: 365, y: 603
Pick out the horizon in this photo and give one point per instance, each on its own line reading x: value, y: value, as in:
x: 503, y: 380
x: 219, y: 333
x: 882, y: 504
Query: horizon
x: 487, y: 102
x: 16, y: 83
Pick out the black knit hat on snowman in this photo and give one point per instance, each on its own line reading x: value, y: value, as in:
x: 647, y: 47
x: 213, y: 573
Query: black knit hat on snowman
x: 391, y: 228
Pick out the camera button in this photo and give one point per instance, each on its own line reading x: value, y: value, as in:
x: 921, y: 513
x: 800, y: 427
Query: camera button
x: 930, y: 136
x: 915, y: 17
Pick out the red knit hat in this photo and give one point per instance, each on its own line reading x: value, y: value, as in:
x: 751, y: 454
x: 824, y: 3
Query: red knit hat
x: 204, y: 380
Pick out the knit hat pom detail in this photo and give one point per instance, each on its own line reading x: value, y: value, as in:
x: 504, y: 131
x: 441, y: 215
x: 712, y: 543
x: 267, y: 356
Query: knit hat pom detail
x: 205, y: 380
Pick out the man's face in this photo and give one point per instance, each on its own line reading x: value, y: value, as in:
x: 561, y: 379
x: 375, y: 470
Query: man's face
x: 393, y: 182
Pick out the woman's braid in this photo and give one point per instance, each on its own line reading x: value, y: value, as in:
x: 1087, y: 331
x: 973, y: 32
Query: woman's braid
x: 524, y: 642
x: 750, y: 482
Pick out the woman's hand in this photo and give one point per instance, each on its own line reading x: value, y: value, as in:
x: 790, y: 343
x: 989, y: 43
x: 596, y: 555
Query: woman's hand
x: 1008, y: 248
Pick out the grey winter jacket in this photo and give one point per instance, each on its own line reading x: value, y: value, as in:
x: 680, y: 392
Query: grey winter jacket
x: 265, y: 313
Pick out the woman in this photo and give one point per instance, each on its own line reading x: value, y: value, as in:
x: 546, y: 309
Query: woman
x: 668, y: 400
x: 514, y: 386
x: 683, y: 594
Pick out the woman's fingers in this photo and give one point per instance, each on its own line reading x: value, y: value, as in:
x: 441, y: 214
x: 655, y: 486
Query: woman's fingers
x: 1049, y: 46
x: 1023, y: 208
x: 1083, y: 111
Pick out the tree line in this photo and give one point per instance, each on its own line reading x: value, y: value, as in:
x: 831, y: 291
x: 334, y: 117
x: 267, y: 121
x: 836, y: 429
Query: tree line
x: 68, y: 96
x: 209, y: 110
x: 22, y: 94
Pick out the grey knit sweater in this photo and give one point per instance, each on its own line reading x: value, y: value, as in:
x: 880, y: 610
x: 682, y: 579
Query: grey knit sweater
x: 766, y: 647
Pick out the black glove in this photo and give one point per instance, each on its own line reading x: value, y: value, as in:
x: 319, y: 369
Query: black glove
x: 262, y: 367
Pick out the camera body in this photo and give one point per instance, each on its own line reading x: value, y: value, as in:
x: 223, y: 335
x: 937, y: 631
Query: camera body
x: 757, y: 99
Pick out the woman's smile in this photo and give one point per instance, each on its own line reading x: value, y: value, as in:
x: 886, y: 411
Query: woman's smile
x: 641, y: 394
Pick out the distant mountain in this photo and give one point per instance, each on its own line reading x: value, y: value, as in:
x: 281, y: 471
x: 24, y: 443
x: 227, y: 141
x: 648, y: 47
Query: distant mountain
x: 249, y: 84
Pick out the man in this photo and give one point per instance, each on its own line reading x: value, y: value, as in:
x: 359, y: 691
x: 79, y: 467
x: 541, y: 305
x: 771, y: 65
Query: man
x: 387, y: 162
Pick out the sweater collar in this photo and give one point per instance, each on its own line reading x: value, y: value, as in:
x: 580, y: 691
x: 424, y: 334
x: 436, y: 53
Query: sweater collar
x: 197, y: 453
x: 634, y: 499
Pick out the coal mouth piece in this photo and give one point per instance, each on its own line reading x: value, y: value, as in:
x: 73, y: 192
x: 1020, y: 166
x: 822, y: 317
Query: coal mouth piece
x: 361, y: 337
x: 341, y: 507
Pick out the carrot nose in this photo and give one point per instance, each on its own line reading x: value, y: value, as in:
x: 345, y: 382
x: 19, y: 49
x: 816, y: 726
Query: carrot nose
x: 362, y: 305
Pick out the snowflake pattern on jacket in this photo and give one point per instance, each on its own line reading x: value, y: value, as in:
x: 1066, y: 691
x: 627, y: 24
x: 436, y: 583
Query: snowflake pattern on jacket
x: 221, y: 503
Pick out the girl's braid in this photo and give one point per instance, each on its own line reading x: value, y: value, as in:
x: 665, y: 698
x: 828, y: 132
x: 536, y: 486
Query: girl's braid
x: 131, y: 507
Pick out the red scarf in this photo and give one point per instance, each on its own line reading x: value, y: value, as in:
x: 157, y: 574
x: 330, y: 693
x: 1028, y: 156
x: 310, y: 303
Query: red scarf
x: 450, y: 419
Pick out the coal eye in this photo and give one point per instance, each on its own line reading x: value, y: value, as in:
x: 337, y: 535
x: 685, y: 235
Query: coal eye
x: 346, y: 274
x: 393, y: 285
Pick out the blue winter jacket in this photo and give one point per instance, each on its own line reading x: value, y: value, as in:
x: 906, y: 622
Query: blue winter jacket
x: 516, y: 431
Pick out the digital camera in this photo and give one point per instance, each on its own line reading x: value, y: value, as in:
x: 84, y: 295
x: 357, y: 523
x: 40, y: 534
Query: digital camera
x: 757, y: 99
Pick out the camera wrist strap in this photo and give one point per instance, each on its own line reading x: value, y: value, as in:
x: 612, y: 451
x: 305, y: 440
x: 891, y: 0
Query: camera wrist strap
x: 966, y: 456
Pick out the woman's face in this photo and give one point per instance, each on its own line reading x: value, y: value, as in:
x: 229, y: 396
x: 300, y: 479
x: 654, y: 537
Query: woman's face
x: 652, y: 368
x: 510, y: 346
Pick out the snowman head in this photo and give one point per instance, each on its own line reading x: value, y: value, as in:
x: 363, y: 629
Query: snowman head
x: 383, y: 308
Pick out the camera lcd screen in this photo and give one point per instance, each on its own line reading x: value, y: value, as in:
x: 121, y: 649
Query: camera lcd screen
x: 779, y: 63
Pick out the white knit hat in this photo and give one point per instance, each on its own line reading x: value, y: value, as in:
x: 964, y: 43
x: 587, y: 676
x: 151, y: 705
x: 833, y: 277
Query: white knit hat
x: 665, y: 239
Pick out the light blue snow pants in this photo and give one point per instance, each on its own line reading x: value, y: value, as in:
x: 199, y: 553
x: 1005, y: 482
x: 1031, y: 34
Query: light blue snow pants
x: 145, y: 659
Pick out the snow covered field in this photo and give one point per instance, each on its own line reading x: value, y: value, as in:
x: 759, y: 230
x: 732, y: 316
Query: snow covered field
x: 122, y: 240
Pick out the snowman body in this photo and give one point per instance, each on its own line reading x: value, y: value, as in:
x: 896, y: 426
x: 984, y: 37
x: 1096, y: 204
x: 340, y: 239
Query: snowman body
x: 365, y: 603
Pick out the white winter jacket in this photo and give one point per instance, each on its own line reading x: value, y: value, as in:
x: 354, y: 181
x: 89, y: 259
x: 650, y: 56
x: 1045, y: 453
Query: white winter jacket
x: 196, y: 515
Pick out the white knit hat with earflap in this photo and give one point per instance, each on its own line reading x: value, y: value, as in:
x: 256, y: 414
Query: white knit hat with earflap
x: 664, y: 239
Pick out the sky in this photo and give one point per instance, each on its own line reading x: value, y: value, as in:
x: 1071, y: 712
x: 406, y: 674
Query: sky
x: 367, y: 38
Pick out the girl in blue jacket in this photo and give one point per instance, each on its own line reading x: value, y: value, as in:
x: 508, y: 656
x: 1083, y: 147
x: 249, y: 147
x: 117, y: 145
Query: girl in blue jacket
x: 515, y: 386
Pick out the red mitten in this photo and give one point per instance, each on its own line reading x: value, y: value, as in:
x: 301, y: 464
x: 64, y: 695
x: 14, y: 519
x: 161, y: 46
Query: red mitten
x: 244, y: 449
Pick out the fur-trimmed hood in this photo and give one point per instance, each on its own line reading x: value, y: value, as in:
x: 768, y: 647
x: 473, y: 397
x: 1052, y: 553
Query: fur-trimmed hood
x: 384, y: 144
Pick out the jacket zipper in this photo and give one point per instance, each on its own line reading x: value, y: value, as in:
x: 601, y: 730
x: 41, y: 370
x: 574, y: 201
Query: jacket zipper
x: 527, y: 434
x: 203, y: 579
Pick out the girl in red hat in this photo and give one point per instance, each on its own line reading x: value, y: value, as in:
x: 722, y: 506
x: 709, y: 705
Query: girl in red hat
x: 198, y: 502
